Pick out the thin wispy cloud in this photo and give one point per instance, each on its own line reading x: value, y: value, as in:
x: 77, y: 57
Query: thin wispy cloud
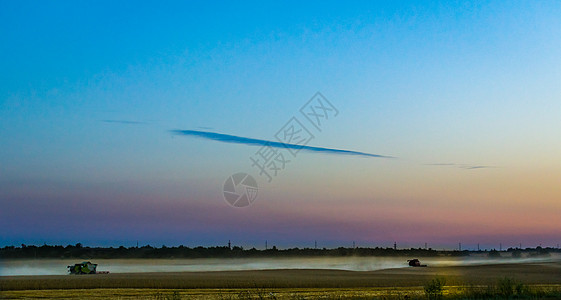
x: 126, y: 122
x: 227, y: 138
x: 476, y: 167
x: 462, y: 166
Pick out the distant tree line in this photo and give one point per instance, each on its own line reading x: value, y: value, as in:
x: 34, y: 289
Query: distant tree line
x: 79, y: 251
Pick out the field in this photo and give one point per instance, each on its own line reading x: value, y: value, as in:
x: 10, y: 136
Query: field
x: 538, y: 280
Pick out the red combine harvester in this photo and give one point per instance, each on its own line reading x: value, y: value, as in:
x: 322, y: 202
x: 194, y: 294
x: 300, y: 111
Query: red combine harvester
x: 415, y: 263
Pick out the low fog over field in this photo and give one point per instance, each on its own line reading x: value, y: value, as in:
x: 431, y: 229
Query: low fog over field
x: 58, y: 266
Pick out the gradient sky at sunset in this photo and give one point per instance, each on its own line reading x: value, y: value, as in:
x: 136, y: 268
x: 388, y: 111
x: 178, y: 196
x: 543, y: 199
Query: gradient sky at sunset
x: 465, y: 96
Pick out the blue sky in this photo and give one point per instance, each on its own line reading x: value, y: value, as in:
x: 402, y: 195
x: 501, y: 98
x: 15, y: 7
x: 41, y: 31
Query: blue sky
x: 463, y: 83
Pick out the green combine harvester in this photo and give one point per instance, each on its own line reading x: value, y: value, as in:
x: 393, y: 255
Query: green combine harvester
x: 85, y: 267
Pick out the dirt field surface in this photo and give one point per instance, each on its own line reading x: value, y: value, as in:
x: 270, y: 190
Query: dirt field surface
x: 275, y: 284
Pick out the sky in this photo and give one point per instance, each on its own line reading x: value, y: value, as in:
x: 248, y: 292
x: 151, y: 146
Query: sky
x: 438, y: 122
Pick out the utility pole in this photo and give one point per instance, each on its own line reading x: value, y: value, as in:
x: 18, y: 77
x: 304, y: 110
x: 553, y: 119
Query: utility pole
x: 354, y: 246
x: 425, y: 246
x: 266, y: 245
x: 315, y: 244
x: 478, y: 247
x: 394, y: 245
x: 229, y: 245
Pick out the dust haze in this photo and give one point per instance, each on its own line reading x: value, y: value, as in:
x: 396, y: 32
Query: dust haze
x: 16, y: 267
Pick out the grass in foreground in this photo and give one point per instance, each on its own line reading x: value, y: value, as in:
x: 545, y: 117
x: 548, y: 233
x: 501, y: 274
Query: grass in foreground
x: 505, y: 288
